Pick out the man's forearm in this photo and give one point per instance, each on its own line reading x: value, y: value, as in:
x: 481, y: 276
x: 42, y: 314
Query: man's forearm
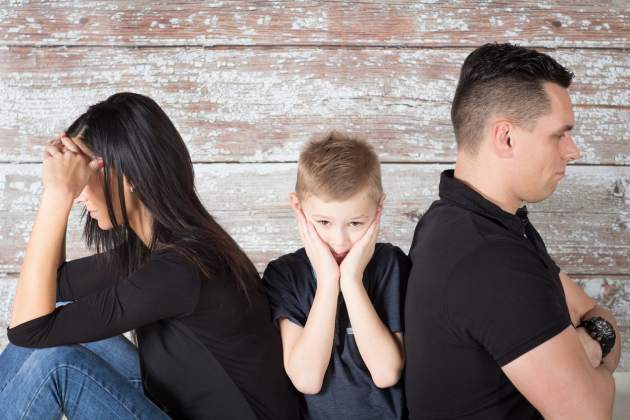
x: 598, y: 405
x: 605, y: 390
x: 611, y: 361
x: 582, y: 307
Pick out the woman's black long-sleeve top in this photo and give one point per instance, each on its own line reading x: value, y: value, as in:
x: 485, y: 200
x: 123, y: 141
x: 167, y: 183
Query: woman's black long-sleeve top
x: 205, y: 352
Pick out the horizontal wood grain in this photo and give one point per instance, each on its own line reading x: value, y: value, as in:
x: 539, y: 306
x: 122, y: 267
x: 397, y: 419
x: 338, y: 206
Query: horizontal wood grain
x: 402, y: 23
x: 586, y: 223
x: 259, y: 106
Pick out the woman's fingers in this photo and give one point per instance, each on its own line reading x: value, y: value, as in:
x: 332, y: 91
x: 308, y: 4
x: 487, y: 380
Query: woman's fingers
x: 69, y: 144
x: 53, y: 150
x: 67, y: 167
x: 96, y: 163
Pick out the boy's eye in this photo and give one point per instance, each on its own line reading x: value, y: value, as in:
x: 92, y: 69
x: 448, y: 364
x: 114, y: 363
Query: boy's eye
x: 323, y: 222
x: 356, y: 224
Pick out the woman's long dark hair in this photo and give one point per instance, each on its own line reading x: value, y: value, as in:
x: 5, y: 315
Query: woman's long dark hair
x: 137, y: 140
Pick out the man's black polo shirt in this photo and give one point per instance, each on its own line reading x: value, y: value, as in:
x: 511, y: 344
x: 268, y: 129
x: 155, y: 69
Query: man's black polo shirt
x: 482, y: 292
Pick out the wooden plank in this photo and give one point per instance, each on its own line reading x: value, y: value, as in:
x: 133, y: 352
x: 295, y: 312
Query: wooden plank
x: 586, y: 224
x: 257, y: 106
x: 612, y: 292
x: 560, y: 23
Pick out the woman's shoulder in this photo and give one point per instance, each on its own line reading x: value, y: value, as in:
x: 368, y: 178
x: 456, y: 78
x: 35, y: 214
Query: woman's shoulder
x: 171, y: 263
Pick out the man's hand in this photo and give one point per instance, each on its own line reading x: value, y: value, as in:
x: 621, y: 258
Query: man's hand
x: 559, y: 380
x: 582, y: 307
x: 591, y: 347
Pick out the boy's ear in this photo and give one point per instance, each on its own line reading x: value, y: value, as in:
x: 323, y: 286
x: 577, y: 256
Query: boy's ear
x: 295, y: 202
x: 381, y: 202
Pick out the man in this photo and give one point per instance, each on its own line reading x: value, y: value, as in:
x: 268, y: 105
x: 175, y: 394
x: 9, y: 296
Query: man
x: 494, y: 329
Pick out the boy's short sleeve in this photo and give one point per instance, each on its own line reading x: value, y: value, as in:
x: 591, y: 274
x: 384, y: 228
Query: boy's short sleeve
x: 504, y: 299
x: 283, y: 294
x: 389, y: 282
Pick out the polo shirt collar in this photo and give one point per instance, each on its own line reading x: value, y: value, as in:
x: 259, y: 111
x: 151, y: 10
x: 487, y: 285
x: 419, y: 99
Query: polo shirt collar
x: 455, y: 191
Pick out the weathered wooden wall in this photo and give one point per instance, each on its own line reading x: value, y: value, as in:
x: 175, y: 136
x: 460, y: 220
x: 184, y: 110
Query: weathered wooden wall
x: 247, y: 83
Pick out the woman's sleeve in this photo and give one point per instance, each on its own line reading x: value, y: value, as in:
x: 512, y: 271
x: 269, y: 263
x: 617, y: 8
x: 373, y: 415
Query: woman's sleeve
x: 81, y: 277
x: 166, y: 287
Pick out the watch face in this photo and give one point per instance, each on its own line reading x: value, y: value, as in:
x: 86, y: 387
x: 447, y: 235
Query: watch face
x: 602, y: 332
x: 604, y: 328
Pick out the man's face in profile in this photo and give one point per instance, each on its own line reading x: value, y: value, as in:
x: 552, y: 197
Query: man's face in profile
x: 542, y: 153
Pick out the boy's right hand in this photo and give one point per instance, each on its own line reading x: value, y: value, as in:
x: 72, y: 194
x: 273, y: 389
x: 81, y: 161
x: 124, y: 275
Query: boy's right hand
x: 322, y: 260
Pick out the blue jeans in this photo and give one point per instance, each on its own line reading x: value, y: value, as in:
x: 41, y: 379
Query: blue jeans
x: 99, y: 380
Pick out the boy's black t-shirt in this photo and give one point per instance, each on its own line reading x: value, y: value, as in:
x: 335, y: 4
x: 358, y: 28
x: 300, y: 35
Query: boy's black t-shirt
x: 348, y: 391
x: 482, y: 291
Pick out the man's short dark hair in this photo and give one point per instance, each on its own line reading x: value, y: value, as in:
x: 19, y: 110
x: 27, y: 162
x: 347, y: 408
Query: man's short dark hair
x: 502, y: 79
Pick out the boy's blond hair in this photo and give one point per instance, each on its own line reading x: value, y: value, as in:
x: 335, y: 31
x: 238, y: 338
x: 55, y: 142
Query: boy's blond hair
x: 336, y: 167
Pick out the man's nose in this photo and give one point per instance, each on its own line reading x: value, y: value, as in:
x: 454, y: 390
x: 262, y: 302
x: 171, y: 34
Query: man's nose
x: 571, y: 152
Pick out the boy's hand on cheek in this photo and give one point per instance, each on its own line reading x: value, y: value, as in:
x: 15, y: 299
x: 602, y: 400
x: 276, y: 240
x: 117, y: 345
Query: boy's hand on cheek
x: 322, y: 260
x: 360, y: 254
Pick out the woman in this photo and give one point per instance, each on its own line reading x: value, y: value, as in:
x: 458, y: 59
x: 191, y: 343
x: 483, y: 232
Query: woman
x: 163, y: 267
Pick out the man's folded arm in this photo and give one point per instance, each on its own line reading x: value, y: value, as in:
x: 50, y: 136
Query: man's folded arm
x: 559, y: 380
x: 582, y: 307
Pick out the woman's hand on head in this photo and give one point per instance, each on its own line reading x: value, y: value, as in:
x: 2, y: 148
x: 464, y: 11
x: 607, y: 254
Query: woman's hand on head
x: 66, y: 169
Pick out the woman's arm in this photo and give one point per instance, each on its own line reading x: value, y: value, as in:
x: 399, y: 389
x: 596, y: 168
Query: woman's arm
x: 62, y: 248
x: 65, y: 175
x: 37, y: 287
x: 166, y: 286
x: 82, y: 277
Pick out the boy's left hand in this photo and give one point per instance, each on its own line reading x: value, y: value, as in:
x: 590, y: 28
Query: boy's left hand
x: 353, y: 265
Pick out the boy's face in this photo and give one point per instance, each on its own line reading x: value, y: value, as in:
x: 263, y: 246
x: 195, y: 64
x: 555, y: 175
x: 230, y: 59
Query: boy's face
x: 340, y: 223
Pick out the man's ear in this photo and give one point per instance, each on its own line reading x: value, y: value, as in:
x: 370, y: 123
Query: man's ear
x: 501, y: 138
x: 295, y: 202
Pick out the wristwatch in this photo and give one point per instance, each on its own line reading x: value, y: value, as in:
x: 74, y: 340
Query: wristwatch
x: 601, y: 331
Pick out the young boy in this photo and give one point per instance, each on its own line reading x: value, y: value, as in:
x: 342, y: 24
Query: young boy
x: 337, y: 301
